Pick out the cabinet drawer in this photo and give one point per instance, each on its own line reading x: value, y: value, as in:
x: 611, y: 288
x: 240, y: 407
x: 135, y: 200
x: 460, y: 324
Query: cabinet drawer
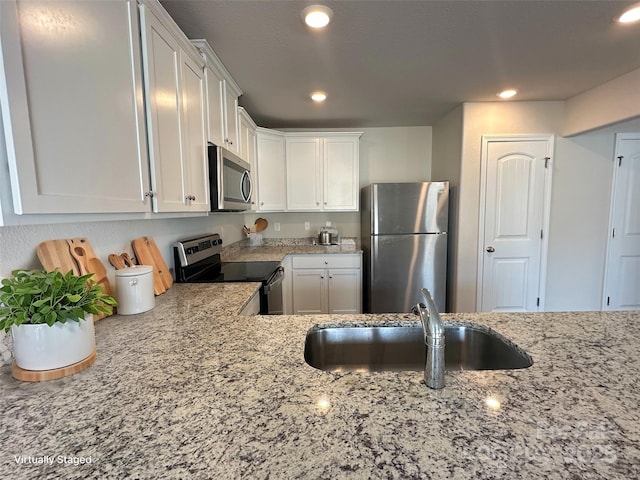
x: 326, y: 261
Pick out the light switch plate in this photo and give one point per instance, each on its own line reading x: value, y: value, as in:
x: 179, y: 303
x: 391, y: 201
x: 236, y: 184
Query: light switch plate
x: 307, y: 225
x: 276, y: 226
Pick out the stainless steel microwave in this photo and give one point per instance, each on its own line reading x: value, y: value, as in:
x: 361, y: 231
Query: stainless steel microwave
x: 229, y: 181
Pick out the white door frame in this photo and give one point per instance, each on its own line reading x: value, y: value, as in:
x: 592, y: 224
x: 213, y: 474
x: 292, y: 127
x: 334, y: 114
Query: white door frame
x: 486, y: 139
x: 614, y: 185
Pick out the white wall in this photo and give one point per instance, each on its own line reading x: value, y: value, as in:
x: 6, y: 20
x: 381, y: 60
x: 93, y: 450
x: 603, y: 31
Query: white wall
x: 580, y: 199
x: 395, y: 154
x: 491, y: 118
x: 581, y: 196
x: 292, y: 224
x: 446, y: 165
x: 18, y: 243
x: 614, y: 101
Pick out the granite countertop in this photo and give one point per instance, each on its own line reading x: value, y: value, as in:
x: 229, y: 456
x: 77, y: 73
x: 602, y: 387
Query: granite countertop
x: 277, y: 249
x: 187, y: 391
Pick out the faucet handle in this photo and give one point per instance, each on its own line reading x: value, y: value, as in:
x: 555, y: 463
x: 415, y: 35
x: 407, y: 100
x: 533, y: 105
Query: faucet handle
x: 416, y: 308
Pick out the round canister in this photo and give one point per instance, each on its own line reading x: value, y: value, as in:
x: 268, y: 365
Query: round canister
x: 134, y: 289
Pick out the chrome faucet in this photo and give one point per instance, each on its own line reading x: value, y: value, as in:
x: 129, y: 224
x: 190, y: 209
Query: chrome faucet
x: 433, y: 330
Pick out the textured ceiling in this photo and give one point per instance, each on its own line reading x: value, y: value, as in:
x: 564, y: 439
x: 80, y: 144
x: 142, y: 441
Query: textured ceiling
x: 401, y: 62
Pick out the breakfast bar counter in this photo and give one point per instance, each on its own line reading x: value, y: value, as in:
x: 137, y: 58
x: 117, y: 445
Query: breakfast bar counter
x: 190, y: 390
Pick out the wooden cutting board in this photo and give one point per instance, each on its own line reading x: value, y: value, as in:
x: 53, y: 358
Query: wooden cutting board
x: 147, y: 253
x: 55, y: 254
x: 74, y: 254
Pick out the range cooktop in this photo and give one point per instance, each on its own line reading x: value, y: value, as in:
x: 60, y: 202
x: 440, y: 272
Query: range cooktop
x: 247, y: 271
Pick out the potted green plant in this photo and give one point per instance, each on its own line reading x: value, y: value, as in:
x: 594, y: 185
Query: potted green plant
x: 50, y: 315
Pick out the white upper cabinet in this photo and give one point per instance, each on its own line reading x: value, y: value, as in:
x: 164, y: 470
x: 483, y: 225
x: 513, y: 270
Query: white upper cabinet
x: 304, y: 173
x: 72, y: 106
x: 175, y: 96
x: 194, y: 135
x: 231, y: 94
x: 271, y: 170
x: 248, y: 143
x: 322, y: 171
x: 221, y: 100
x: 341, y: 174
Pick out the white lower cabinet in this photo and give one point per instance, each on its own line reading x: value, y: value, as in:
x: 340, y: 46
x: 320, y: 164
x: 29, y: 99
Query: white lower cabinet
x: 326, y: 283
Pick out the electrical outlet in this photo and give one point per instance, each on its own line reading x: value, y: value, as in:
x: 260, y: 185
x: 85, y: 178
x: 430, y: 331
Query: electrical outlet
x: 307, y: 225
x: 276, y: 226
x: 327, y: 223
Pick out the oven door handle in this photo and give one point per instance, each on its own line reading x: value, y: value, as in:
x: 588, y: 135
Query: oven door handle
x: 274, y: 280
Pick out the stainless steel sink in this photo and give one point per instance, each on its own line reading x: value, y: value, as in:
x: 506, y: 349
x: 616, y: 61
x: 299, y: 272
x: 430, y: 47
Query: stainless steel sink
x: 402, y: 347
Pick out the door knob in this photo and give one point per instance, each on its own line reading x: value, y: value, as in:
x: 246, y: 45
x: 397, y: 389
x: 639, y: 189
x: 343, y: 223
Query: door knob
x: 490, y: 249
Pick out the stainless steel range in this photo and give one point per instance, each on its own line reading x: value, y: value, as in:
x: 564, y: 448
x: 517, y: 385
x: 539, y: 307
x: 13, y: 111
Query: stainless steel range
x: 197, y: 260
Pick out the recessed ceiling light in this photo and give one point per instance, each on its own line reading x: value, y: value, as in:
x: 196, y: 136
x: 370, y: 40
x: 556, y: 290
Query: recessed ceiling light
x: 631, y: 15
x: 318, y: 96
x: 508, y: 93
x: 317, y: 16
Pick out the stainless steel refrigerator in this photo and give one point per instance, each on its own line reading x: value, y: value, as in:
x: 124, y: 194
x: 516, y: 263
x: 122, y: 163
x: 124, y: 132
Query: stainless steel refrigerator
x: 404, y: 243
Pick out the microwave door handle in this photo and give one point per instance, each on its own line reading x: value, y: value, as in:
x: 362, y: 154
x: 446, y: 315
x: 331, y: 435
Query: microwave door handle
x: 246, y: 175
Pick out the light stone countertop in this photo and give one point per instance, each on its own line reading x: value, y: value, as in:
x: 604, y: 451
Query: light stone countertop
x: 277, y: 249
x: 188, y: 391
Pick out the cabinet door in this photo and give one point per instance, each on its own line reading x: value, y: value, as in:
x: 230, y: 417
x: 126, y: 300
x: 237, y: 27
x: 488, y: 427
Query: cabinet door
x: 271, y: 172
x: 72, y: 106
x: 304, y: 174
x: 194, y: 147
x: 309, y: 291
x: 231, y: 118
x: 163, y: 68
x: 215, y: 106
x: 248, y: 150
x: 344, y: 288
x: 341, y: 173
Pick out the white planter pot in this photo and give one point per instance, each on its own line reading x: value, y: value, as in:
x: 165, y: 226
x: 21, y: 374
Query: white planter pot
x: 41, y: 347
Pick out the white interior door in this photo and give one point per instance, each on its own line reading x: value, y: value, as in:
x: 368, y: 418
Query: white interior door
x: 513, y: 218
x: 622, y: 277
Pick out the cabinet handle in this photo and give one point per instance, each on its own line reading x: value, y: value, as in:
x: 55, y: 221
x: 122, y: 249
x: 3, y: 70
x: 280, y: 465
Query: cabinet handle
x: 321, y: 276
x: 149, y: 194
